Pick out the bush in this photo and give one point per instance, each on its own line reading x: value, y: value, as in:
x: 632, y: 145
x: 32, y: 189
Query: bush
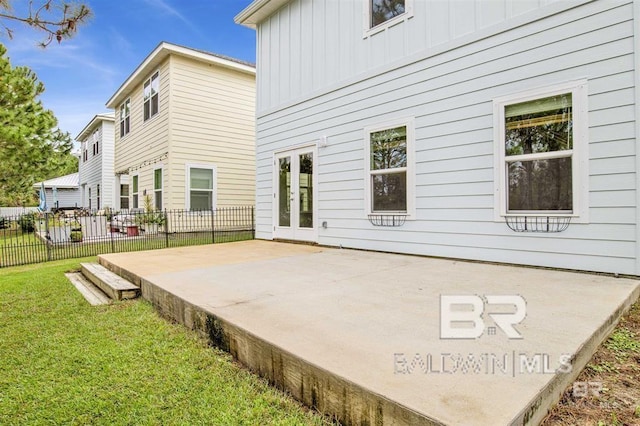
x: 27, y: 222
x: 76, y: 236
x: 4, y: 223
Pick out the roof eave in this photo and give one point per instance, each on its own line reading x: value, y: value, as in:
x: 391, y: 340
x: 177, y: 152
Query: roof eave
x: 95, y: 120
x: 258, y: 11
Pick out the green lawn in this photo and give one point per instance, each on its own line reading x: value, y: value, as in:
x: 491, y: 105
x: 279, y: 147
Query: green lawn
x: 63, y: 361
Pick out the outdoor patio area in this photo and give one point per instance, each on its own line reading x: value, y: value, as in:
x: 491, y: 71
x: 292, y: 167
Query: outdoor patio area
x: 361, y: 335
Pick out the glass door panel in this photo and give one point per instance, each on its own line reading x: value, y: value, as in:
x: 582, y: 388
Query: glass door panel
x: 294, y: 182
x: 284, y: 191
x: 305, y: 190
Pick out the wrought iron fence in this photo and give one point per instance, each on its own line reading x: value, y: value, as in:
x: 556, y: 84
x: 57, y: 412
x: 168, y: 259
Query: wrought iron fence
x: 40, y: 237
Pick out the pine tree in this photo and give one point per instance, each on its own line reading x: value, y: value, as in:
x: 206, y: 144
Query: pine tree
x: 31, y: 147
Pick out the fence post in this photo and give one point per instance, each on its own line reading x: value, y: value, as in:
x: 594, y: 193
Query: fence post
x: 113, y: 243
x: 253, y: 223
x: 213, y: 226
x: 47, y: 234
x: 166, y: 229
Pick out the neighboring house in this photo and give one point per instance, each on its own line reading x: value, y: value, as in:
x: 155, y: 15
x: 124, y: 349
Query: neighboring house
x: 185, y: 130
x: 425, y: 127
x: 61, y: 192
x: 97, y: 176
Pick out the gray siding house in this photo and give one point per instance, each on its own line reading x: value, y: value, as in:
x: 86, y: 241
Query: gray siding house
x: 97, y: 176
x: 502, y: 131
x: 61, y: 192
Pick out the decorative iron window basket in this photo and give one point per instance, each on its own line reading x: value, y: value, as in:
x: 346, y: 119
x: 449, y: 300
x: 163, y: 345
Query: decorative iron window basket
x: 387, y: 220
x: 538, y: 223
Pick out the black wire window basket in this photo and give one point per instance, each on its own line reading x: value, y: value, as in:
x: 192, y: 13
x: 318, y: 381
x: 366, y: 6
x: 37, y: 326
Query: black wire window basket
x: 387, y: 220
x: 538, y: 223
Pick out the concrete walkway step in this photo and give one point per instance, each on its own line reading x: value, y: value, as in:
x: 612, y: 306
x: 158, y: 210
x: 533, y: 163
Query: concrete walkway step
x: 116, y: 287
x: 90, y: 292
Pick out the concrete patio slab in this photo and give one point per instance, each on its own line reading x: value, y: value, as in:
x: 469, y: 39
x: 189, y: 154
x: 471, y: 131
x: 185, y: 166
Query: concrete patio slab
x: 358, y: 334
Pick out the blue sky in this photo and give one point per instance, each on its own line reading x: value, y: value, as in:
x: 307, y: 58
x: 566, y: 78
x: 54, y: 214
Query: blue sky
x: 82, y: 73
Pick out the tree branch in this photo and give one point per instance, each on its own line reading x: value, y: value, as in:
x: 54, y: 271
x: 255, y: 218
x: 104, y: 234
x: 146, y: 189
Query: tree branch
x: 58, y: 27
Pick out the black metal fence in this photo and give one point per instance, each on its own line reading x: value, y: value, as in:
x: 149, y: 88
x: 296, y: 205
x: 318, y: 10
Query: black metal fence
x: 41, y: 237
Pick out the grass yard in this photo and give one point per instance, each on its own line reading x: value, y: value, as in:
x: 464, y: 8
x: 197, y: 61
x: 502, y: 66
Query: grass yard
x: 607, y: 392
x: 65, y: 362
x: 17, y: 248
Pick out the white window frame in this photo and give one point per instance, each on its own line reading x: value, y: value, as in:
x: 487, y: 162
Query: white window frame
x: 409, y: 123
x: 121, y: 197
x: 149, y: 80
x: 96, y: 142
x: 366, y: 18
x: 579, y: 152
x: 187, y: 184
x: 135, y: 195
x: 125, y: 120
x: 161, y: 190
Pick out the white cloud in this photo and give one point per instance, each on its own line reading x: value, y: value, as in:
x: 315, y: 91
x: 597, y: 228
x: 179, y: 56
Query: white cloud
x: 170, y: 10
x: 70, y: 54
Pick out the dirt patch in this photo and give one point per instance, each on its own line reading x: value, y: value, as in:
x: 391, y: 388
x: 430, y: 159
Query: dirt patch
x: 607, y: 392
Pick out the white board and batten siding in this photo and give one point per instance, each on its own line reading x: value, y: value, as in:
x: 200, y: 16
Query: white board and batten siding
x: 213, y: 123
x: 107, y: 150
x: 99, y: 168
x: 443, y: 67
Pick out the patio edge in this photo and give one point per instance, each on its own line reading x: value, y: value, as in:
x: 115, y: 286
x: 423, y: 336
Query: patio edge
x: 329, y: 394
x: 550, y: 395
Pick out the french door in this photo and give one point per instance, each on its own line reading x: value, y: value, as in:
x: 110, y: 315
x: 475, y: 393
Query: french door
x: 294, y: 194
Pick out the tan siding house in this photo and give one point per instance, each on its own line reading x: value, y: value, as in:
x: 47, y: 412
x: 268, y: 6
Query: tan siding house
x: 185, y: 130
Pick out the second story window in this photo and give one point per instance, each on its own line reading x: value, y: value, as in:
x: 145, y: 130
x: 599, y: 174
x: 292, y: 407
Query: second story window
x: 125, y: 123
x: 151, y: 102
x: 385, y: 10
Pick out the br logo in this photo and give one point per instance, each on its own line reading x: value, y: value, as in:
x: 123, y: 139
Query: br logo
x: 461, y: 316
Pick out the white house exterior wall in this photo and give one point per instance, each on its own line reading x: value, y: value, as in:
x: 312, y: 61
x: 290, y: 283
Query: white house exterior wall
x: 98, y: 169
x: 66, y: 197
x: 310, y: 45
x: 448, y: 88
x: 107, y: 150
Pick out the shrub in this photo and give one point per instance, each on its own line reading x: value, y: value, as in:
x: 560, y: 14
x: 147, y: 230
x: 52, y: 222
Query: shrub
x: 76, y: 236
x: 27, y: 222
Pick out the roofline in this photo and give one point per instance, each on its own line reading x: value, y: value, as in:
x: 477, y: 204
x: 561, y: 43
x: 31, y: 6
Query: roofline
x: 39, y: 184
x: 165, y: 49
x: 107, y: 116
x: 258, y: 11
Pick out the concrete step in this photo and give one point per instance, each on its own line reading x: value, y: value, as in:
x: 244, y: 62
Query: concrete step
x: 90, y: 292
x: 116, y: 287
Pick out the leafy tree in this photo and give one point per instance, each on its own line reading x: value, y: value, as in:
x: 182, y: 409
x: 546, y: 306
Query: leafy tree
x: 31, y: 147
x: 57, y: 18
